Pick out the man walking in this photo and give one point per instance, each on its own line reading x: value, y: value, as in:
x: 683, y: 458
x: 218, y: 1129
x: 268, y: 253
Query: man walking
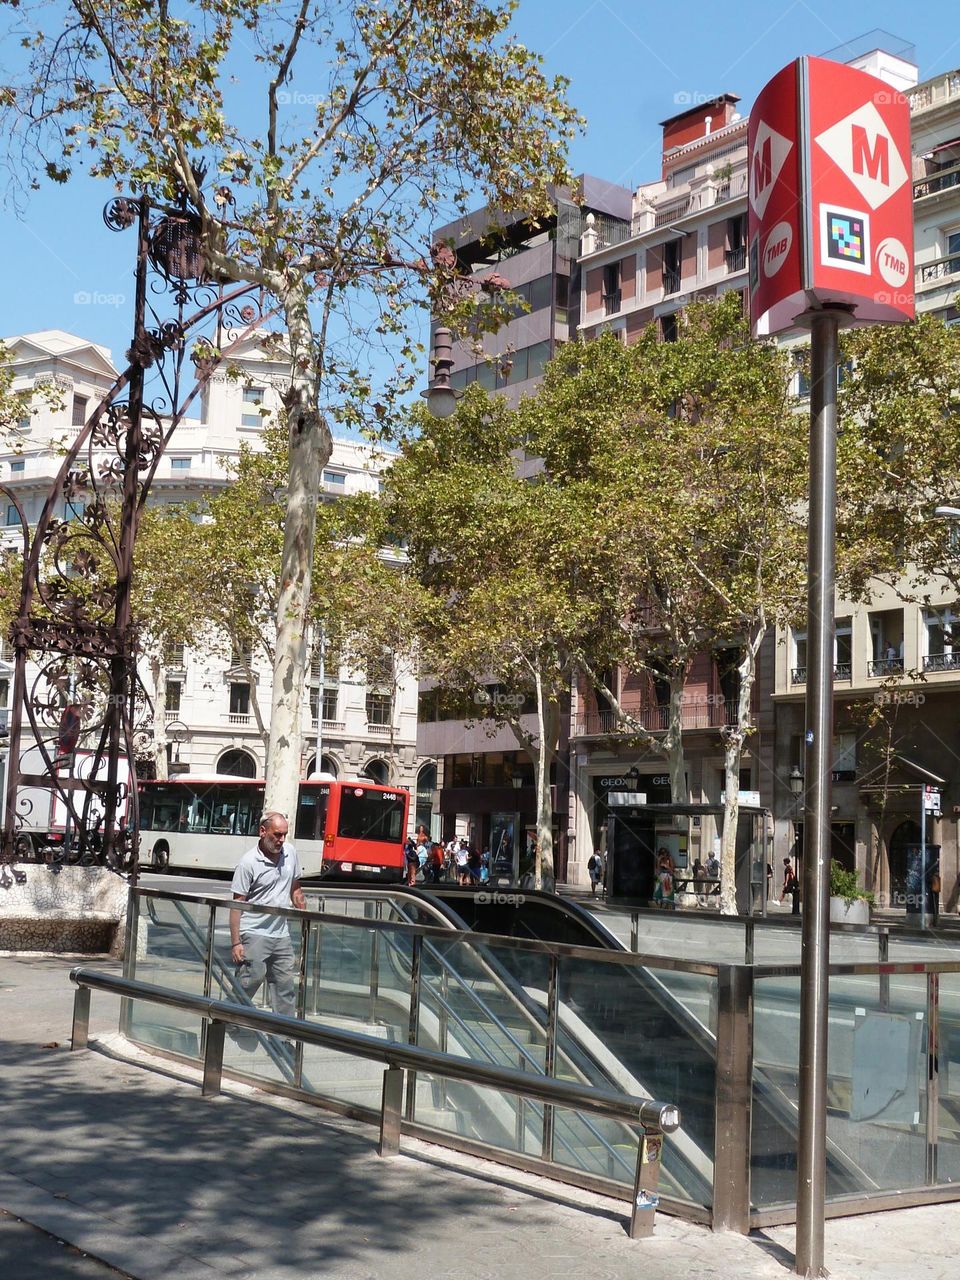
x: 268, y: 874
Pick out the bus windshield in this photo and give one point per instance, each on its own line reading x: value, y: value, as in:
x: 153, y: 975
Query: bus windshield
x: 371, y: 815
x: 311, y: 813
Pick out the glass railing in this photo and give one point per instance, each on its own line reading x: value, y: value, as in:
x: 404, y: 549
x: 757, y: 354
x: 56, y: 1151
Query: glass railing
x: 606, y: 1019
x: 647, y: 1023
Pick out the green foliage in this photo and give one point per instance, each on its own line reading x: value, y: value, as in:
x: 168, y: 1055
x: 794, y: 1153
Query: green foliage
x: 846, y: 884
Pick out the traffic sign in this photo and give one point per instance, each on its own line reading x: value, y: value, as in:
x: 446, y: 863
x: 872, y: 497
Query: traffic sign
x: 830, y: 197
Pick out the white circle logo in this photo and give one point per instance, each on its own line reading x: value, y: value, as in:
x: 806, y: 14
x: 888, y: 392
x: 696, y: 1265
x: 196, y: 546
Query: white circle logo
x: 776, y: 250
x: 893, y: 262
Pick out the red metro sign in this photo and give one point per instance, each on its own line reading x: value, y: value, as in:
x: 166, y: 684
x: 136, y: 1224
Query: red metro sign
x: 830, y: 197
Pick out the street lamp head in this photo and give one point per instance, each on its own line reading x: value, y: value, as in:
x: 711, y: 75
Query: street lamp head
x: 176, y: 247
x: 440, y: 396
x: 796, y: 780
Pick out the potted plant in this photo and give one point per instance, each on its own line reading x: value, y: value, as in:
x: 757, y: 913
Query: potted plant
x: 849, y: 903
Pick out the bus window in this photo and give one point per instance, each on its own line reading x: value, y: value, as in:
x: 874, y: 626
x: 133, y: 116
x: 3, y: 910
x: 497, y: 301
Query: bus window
x: 311, y: 813
x: 248, y: 815
x: 160, y: 809
x: 371, y: 815
x: 199, y: 815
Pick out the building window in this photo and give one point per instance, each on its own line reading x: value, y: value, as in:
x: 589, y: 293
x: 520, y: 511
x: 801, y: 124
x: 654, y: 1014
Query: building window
x: 253, y: 395
x: 336, y: 478
x: 736, y: 251
x: 17, y: 467
x: 23, y: 425
x: 241, y: 657
x: 74, y: 510
x: 798, y: 672
x: 13, y: 516
x: 941, y: 639
x: 843, y: 649
x: 173, y: 695
x: 251, y: 420
x: 379, y: 707
x: 844, y: 757
x: 239, y: 699
x: 668, y: 327
x: 179, y: 464
x: 331, y: 699
x: 672, y: 258
x: 173, y: 654
x: 886, y: 642
x: 611, y: 288
x: 79, y: 411
x: 953, y: 252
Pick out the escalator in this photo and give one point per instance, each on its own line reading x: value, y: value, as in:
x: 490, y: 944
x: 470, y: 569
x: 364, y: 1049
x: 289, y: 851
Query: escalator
x: 664, y: 1008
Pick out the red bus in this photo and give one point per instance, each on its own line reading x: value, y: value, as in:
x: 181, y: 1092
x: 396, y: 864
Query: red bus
x: 342, y: 830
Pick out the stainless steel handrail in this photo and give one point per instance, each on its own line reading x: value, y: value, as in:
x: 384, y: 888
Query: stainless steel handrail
x: 655, y: 1118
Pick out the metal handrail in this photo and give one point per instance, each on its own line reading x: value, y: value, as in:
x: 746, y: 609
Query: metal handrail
x: 655, y: 1118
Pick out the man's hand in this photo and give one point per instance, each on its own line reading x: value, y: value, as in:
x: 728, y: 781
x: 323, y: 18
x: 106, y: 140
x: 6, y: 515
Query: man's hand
x: 297, y: 898
x: 236, y: 951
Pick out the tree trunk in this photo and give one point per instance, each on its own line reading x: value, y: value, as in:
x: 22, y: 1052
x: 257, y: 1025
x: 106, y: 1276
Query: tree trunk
x: 548, y: 728
x: 310, y: 449
x: 158, y: 673
x: 734, y: 738
x: 672, y: 745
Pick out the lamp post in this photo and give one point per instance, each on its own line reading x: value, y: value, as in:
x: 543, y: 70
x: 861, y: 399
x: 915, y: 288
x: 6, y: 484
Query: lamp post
x: 75, y: 618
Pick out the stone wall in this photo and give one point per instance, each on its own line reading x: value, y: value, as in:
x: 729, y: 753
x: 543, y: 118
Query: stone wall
x: 62, y: 909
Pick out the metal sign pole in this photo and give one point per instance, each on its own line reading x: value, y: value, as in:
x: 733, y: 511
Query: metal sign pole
x: 923, y: 856
x: 815, y: 931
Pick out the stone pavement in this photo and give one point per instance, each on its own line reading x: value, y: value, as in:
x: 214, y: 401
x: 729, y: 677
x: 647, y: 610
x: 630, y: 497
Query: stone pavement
x: 110, y: 1166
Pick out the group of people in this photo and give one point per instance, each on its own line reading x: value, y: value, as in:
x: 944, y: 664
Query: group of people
x: 433, y: 862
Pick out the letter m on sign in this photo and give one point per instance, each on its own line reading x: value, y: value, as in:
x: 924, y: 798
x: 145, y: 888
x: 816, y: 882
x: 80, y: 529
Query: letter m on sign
x: 762, y: 167
x: 871, y: 161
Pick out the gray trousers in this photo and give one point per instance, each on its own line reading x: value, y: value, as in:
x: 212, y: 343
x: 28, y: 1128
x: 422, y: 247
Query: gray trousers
x: 270, y: 958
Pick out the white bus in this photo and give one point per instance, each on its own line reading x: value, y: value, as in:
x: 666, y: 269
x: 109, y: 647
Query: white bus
x: 342, y: 830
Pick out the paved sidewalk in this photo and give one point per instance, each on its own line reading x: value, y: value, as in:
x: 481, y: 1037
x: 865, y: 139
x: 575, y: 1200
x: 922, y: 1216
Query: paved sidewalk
x: 131, y: 1167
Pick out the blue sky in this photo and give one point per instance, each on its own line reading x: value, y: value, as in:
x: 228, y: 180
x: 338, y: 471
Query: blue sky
x: 631, y: 64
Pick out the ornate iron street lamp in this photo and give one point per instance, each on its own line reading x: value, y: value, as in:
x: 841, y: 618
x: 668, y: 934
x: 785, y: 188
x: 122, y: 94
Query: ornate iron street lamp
x: 75, y: 626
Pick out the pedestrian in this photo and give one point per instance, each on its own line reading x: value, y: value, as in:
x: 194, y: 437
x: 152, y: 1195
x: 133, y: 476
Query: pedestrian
x: 462, y: 857
x: 595, y: 871
x: 791, y: 884
x: 411, y: 860
x: 485, y: 866
x: 474, y: 864
x: 269, y: 875
x: 663, y: 893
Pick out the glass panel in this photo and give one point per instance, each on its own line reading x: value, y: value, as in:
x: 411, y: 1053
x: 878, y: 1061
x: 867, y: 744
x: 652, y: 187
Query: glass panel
x: 948, y: 1120
x: 171, y: 952
x: 486, y: 1115
x: 649, y: 1032
x: 876, y: 1127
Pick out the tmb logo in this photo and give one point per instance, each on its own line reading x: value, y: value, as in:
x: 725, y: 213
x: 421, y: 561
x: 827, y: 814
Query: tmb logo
x: 770, y: 151
x: 861, y: 145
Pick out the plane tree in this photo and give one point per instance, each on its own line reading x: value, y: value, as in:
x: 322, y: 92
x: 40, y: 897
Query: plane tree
x: 316, y: 142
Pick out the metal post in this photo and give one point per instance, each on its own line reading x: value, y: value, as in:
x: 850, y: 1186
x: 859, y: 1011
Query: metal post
x: 213, y: 1058
x: 298, y: 1051
x: 923, y: 856
x: 81, y: 1018
x: 815, y: 928
x: 883, y: 946
x: 749, y: 940
x: 208, y: 973
x: 390, y: 1112
x: 634, y: 931
x: 645, y: 1198
x: 550, y: 1053
x: 933, y: 1078
x: 733, y: 1101
x: 130, y: 946
x: 413, y: 1034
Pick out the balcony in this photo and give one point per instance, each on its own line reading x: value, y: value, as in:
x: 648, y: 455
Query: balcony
x: 712, y: 712
x: 329, y: 726
x: 671, y: 281
x: 736, y: 259
x: 238, y: 717
x: 612, y: 302
x: 929, y: 273
x: 942, y: 662
x: 379, y: 730
x: 935, y: 93
x: 841, y: 671
x: 934, y: 183
x: 885, y: 667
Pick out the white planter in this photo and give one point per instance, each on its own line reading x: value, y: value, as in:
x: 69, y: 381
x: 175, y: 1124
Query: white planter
x: 856, y: 912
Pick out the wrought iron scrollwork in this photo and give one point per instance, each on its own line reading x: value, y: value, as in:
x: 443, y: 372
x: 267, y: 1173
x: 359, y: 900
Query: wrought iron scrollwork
x: 79, y: 716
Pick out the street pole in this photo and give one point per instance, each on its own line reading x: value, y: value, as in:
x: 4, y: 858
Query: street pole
x: 815, y: 929
x: 923, y: 855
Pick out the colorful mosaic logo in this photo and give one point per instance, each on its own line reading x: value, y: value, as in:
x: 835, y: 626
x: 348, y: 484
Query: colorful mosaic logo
x: 844, y: 238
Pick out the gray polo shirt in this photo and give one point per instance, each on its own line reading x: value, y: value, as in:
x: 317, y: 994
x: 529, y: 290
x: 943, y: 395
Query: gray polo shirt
x: 259, y: 879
